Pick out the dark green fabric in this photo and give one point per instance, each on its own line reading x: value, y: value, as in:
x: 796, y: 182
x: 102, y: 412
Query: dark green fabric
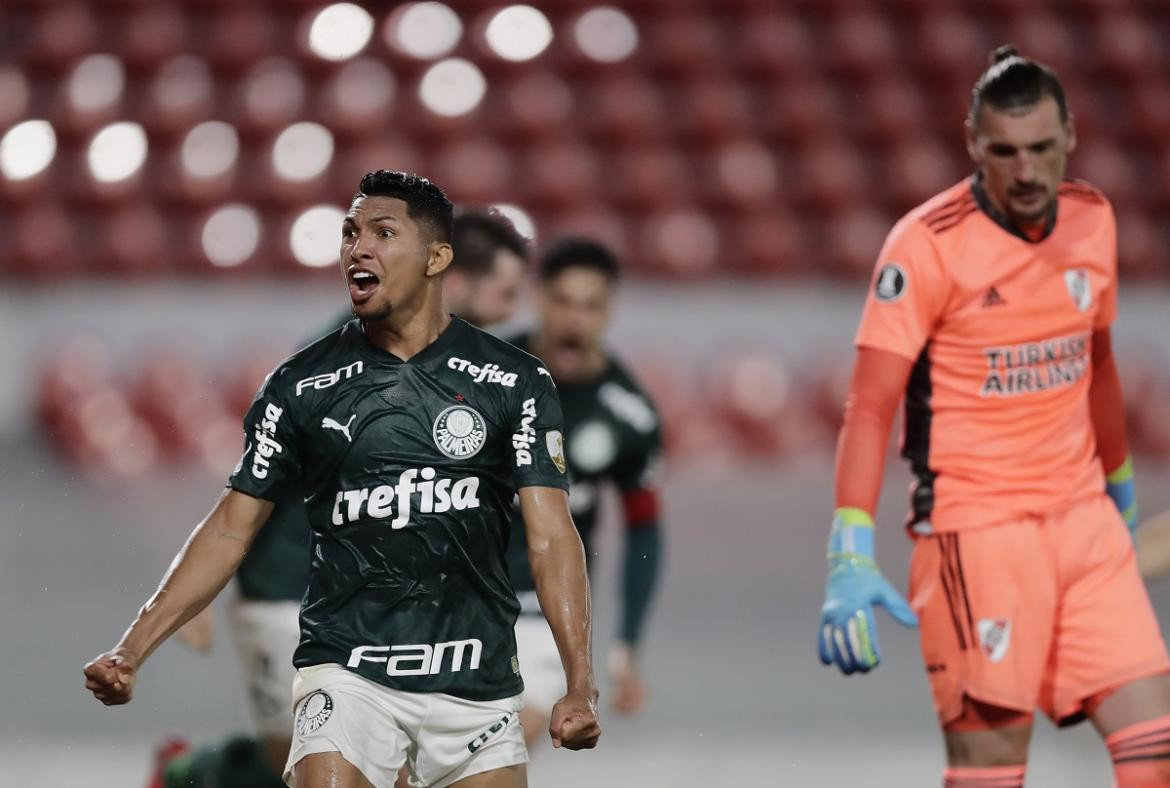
x: 408, y: 471
x: 237, y: 763
x: 639, y: 579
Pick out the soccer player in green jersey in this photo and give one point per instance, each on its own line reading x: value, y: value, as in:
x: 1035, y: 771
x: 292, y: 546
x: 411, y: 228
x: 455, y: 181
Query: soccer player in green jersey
x: 613, y: 439
x: 482, y: 285
x: 408, y: 462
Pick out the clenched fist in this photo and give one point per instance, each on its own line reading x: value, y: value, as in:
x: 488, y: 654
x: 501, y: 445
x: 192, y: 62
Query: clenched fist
x: 110, y: 676
x: 574, y: 723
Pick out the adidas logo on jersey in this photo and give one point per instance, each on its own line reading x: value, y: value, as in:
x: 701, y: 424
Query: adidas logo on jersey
x: 993, y: 298
x: 489, y: 373
x: 378, y: 503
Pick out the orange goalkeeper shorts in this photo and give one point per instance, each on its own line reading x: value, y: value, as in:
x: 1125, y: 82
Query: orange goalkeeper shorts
x: 1040, y: 612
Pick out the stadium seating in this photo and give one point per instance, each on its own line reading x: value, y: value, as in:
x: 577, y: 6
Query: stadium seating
x: 633, y: 113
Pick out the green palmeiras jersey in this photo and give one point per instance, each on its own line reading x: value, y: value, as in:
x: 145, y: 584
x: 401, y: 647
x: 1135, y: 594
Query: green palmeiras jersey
x: 612, y: 436
x: 408, y: 470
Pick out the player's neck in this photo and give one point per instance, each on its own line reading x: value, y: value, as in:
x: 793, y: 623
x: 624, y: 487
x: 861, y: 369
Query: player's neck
x: 405, y: 332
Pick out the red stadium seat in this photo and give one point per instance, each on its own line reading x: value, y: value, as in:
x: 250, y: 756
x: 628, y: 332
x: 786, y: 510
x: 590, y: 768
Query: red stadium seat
x: 1126, y: 46
x: 772, y: 46
x: 474, y: 171
x: 1042, y: 35
x: 153, y: 33
x: 1107, y: 168
x: 1141, y: 245
x: 42, y: 245
x: 271, y: 96
x: 830, y: 176
x: 625, y: 109
x: 712, y: 110
x: 893, y: 109
x: 535, y: 106
x: 682, y: 241
x: 1149, y: 116
x: 752, y: 393
x: 560, y: 174
x: 861, y: 45
x: 61, y: 34
x: 798, y: 113
x: 681, y: 44
x: 649, y: 177
x: 240, y: 35
x: 358, y: 100
x: 15, y: 95
x: 946, y: 45
x: 915, y: 171
x: 593, y: 221
x: 136, y: 241
x: 741, y: 175
x: 76, y: 366
x: 855, y: 239
x: 175, y: 395
x: 765, y: 243
x: 391, y: 152
x: 178, y: 97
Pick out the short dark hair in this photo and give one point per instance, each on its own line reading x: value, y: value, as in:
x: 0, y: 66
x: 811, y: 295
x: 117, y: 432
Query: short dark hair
x: 577, y: 251
x: 1012, y: 81
x: 478, y: 235
x: 425, y: 202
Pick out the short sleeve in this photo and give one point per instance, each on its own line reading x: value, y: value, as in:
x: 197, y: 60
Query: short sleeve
x: 538, y: 446
x: 1107, y: 310
x: 907, y: 294
x: 270, y: 466
x: 639, y: 466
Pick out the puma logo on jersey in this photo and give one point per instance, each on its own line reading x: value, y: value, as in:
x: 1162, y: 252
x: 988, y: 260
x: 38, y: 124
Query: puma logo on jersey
x: 266, y: 443
x: 489, y: 373
x: 415, y: 490
x: 330, y: 424
x: 328, y: 379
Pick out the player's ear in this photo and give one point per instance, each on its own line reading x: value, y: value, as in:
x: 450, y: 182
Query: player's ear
x: 970, y: 134
x: 1070, y: 132
x: 439, y: 256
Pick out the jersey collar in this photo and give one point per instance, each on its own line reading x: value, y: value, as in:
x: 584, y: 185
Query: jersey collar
x: 984, y: 203
x: 446, y: 337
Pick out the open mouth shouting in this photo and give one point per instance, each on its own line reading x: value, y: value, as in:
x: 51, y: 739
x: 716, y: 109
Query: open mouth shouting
x: 362, y: 284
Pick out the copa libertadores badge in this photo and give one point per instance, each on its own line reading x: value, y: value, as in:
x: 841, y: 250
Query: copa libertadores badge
x: 315, y: 712
x: 459, y: 432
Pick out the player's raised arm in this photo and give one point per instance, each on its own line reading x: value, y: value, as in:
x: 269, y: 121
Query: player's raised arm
x: 214, y: 550
x: 562, y: 586
x: 199, y: 572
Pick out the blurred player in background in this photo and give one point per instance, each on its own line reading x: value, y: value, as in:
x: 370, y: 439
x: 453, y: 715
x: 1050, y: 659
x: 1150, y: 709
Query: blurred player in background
x: 482, y: 285
x: 990, y: 312
x: 408, y: 465
x: 613, y: 437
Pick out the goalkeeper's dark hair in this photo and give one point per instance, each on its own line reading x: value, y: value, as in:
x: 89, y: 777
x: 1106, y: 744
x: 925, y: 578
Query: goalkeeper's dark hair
x: 425, y: 202
x: 578, y: 252
x: 1012, y: 81
x: 479, y: 235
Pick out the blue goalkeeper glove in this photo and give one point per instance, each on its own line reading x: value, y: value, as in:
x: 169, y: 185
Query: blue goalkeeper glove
x: 1119, y: 487
x: 855, y: 585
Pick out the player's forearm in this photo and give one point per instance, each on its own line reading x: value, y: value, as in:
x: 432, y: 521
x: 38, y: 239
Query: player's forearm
x: 197, y: 574
x: 640, y: 574
x: 562, y: 586
x: 1107, y: 405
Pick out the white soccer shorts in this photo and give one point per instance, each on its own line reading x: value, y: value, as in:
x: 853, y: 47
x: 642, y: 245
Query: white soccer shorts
x: 266, y: 635
x: 440, y: 738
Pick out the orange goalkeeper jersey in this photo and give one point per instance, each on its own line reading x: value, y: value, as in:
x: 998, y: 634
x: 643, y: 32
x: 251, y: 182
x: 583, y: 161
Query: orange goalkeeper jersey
x: 997, y: 421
